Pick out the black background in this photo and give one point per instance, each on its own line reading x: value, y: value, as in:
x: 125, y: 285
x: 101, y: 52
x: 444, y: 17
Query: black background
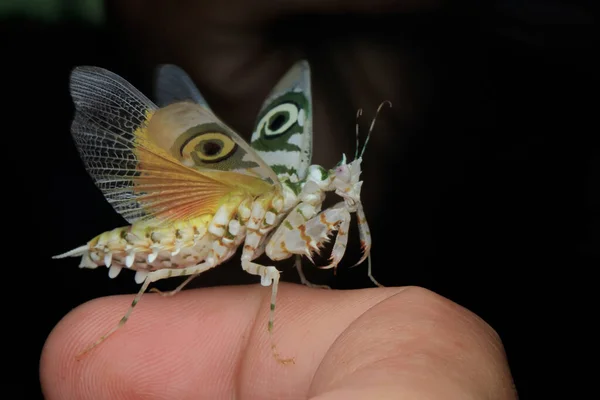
x: 486, y: 195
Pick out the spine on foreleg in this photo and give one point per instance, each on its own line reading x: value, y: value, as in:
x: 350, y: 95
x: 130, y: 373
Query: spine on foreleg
x: 308, y: 237
x: 289, y: 238
x: 364, y: 233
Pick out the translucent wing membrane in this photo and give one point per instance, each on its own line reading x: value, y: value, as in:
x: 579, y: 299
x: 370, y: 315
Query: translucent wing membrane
x: 173, y: 85
x: 123, y: 139
x: 108, y: 112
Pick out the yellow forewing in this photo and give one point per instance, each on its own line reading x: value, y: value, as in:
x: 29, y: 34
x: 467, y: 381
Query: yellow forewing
x: 167, y: 164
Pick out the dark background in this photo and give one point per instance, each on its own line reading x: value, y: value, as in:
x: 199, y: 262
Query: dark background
x: 481, y: 183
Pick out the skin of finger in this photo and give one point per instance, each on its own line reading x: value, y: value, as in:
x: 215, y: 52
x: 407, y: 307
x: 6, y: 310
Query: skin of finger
x: 419, y: 346
x: 220, y: 349
x: 207, y: 344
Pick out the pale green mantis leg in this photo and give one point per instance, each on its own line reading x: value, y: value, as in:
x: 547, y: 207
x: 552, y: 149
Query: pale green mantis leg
x: 303, y: 280
x: 152, y: 277
x: 369, y: 273
x: 177, y: 289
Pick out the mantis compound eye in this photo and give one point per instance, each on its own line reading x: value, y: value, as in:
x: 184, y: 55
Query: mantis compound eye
x: 343, y: 172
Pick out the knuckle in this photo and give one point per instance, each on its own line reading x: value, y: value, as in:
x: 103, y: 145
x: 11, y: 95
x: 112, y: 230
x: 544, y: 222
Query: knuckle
x: 450, y: 317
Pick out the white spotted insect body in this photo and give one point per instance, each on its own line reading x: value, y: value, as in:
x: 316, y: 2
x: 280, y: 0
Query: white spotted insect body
x: 193, y: 190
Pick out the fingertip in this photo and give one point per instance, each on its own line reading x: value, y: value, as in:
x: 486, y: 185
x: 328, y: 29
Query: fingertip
x: 169, y: 348
x: 62, y: 375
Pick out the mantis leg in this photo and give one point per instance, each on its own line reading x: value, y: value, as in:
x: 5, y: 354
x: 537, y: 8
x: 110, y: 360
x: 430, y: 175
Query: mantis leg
x: 152, y: 277
x: 298, y: 264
